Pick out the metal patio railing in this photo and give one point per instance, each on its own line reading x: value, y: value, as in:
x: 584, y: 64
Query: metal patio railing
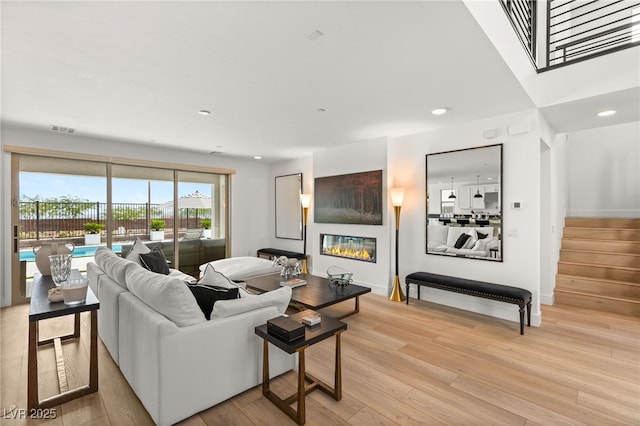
x: 42, y: 219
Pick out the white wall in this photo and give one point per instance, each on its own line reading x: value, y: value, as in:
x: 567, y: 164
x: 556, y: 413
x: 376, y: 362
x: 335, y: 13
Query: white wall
x: 302, y: 165
x: 354, y: 158
x: 604, y: 171
x: 521, y: 229
x: 250, y: 219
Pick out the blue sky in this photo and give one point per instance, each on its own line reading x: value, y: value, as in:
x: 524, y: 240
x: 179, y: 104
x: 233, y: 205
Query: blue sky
x: 48, y: 185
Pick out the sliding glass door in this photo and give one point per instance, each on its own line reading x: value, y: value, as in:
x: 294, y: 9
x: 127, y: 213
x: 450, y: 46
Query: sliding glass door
x: 56, y: 199
x: 60, y: 203
x: 201, y: 219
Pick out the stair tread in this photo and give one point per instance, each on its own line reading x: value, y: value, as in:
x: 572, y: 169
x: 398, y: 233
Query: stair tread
x: 606, y: 280
x: 571, y: 262
x: 598, y: 296
x: 601, y: 252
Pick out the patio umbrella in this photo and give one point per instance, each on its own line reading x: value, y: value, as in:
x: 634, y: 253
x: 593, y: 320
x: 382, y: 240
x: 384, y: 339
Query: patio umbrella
x: 196, y: 200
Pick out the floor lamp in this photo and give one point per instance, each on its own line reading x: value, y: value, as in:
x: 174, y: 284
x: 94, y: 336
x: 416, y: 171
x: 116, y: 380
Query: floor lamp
x: 397, y: 196
x: 305, y: 200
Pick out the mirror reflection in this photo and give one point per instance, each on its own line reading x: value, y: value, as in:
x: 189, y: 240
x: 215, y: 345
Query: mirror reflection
x: 288, y: 207
x: 464, y: 203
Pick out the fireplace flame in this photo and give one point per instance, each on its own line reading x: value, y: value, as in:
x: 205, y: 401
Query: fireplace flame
x: 362, y: 254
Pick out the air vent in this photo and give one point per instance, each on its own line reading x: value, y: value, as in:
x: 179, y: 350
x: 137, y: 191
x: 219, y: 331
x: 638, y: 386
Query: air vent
x: 61, y: 129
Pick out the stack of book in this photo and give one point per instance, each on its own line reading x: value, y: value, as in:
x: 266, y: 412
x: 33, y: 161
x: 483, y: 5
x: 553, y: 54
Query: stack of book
x: 293, y: 282
x: 285, y: 329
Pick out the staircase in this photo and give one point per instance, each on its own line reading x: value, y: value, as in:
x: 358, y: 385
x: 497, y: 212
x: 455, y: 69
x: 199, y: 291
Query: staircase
x: 599, y: 265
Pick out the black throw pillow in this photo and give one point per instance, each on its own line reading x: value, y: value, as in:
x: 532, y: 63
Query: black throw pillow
x: 481, y: 236
x: 461, y: 240
x: 207, y: 296
x: 155, y: 261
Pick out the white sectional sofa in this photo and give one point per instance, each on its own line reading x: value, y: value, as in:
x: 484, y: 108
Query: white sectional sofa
x: 177, y: 362
x: 442, y: 239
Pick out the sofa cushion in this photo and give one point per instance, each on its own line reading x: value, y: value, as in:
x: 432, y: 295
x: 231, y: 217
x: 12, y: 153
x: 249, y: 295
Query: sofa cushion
x: 138, y: 248
x: 206, y: 296
x: 155, y: 261
x: 165, y: 294
x: 113, y: 266
x: 279, y: 298
x: 437, y: 235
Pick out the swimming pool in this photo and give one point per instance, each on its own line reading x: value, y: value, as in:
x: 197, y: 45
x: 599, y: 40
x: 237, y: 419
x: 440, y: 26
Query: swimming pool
x: 79, y: 251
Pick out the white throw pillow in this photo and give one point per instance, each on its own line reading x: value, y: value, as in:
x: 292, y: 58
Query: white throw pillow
x: 279, y: 298
x: 165, y: 294
x: 138, y: 248
x: 211, y: 277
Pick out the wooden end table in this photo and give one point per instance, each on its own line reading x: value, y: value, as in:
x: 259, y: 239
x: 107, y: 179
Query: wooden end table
x: 41, y: 309
x: 328, y: 327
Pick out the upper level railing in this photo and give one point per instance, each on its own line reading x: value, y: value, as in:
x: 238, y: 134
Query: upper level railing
x: 523, y: 17
x: 574, y: 30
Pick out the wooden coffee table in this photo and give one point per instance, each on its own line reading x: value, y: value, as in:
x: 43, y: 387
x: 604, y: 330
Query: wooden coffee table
x: 316, y: 294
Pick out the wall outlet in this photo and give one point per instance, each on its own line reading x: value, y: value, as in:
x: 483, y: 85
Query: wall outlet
x: 517, y: 205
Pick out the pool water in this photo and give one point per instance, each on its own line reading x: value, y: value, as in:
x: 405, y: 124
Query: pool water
x: 79, y: 251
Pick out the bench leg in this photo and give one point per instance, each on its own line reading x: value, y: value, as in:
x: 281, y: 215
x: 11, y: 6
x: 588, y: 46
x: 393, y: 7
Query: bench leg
x: 407, y: 293
x: 521, y: 318
x: 529, y: 314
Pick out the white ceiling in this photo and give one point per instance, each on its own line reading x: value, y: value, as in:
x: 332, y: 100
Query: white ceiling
x: 140, y: 71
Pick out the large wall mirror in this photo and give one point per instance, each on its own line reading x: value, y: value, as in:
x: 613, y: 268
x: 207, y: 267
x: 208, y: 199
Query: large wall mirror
x: 464, y: 203
x: 288, y: 207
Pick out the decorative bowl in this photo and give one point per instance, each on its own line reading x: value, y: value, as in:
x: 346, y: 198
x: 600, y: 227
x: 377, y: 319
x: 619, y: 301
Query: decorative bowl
x: 338, y: 276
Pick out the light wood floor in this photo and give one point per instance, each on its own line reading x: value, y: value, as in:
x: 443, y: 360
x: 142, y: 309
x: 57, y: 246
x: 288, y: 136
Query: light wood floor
x: 416, y: 364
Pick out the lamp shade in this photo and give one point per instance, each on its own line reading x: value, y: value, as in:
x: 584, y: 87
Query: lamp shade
x: 397, y: 196
x: 305, y: 200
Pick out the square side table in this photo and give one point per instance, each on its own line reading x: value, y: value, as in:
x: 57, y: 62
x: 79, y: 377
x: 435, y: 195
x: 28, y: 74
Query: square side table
x: 313, y: 334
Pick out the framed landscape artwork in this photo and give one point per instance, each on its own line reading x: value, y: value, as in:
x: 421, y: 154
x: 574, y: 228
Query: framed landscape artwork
x: 354, y: 198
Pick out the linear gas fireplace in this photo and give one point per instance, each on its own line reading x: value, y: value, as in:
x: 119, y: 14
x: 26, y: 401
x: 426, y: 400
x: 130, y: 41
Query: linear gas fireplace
x: 358, y: 248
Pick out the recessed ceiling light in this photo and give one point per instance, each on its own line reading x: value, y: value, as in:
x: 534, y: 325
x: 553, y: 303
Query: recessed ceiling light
x: 204, y: 112
x: 606, y: 113
x: 439, y: 111
x: 258, y: 157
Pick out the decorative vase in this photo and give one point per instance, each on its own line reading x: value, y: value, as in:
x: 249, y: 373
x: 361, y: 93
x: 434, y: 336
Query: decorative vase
x: 45, y: 250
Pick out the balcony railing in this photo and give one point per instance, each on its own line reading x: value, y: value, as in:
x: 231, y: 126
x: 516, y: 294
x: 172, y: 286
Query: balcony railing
x: 522, y: 14
x: 574, y: 30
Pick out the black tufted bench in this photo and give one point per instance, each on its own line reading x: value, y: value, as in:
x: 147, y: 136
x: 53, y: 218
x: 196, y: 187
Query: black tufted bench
x: 501, y: 293
x: 273, y: 253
